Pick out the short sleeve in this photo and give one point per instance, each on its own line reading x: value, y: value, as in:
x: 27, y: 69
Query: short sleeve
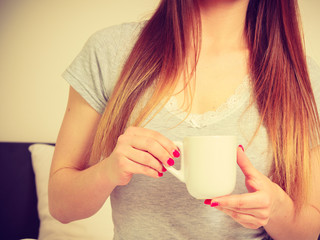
x: 94, y: 71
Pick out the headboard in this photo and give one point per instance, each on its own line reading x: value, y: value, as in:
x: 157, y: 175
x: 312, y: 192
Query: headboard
x: 18, y: 200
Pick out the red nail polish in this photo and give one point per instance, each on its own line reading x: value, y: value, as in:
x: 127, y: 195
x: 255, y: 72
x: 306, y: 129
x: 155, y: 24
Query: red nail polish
x: 160, y: 174
x: 170, y: 162
x: 207, y: 201
x: 241, y: 147
x: 176, y: 154
x: 164, y: 169
x: 214, y: 204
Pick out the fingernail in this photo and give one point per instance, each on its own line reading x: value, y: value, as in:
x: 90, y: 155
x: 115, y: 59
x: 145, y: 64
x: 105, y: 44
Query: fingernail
x: 207, y: 201
x: 170, y: 162
x: 160, y: 174
x: 241, y: 147
x: 214, y: 204
x: 164, y: 169
x: 176, y: 154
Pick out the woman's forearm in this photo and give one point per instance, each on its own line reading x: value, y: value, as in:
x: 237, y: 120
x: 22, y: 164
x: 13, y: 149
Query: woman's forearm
x: 75, y: 194
x: 284, y: 225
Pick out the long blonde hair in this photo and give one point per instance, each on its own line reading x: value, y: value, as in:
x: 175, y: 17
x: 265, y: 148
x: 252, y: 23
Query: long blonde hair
x: 279, y: 74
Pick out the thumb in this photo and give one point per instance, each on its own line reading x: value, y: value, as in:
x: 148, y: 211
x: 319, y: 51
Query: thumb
x: 245, y: 165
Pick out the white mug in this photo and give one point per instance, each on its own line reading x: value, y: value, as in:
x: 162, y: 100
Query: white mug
x: 208, y: 165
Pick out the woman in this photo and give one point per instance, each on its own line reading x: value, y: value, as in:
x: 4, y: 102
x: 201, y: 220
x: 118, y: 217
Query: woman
x: 197, y: 67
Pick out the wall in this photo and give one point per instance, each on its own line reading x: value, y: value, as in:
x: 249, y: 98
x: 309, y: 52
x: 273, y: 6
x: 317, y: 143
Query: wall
x: 39, y: 39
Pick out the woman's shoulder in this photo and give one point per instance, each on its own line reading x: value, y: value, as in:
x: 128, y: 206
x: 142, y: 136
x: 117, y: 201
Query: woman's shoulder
x: 115, y: 35
x: 93, y: 73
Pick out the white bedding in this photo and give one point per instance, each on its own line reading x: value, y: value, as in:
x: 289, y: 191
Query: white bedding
x: 97, y: 227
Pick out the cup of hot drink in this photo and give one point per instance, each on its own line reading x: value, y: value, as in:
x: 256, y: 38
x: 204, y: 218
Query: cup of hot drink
x: 208, y: 165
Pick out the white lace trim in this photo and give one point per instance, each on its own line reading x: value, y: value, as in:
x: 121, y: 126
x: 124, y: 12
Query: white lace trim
x: 210, y: 117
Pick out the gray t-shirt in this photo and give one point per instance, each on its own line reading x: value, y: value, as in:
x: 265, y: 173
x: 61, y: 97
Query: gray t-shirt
x: 162, y: 208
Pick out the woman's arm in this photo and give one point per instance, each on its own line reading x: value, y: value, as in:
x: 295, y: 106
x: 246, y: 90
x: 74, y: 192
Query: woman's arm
x: 71, y: 188
x: 283, y: 225
x: 267, y: 205
x: 77, y: 192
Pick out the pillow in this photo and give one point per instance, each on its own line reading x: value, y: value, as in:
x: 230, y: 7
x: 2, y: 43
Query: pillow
x: 97, y: 227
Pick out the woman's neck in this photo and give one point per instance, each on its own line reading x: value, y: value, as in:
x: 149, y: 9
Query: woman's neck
x: 223, y: 23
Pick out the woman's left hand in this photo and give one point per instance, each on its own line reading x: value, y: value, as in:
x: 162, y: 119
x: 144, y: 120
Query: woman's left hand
x: 255, y: 208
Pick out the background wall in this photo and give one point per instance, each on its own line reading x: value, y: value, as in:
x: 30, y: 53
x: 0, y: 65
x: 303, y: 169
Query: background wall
x: 40, y: 38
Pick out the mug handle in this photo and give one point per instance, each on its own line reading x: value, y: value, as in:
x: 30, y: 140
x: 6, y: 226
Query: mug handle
x: 178, y: 173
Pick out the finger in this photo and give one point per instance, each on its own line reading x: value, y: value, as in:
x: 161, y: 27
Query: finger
x: 137, y: 168
x: 245, y: 165
x: 257, y: 212
x: 150, y: 145
x: 242, y: 201
x: 144, y: 158
x: 246, y: 220
x: 166, y: 143
x: 262, y: 213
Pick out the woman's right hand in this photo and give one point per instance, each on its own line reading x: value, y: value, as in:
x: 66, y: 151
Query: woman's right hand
x: 139, y: 151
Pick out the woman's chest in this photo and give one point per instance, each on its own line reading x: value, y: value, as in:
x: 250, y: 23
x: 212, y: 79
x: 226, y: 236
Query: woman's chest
x: 212, y: 84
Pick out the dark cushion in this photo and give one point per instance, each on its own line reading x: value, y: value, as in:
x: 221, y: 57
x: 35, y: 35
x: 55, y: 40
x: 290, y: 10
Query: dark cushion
x: 18, y: 199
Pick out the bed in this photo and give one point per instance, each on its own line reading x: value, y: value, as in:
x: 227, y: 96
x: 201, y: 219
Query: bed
x: 24, y: 210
